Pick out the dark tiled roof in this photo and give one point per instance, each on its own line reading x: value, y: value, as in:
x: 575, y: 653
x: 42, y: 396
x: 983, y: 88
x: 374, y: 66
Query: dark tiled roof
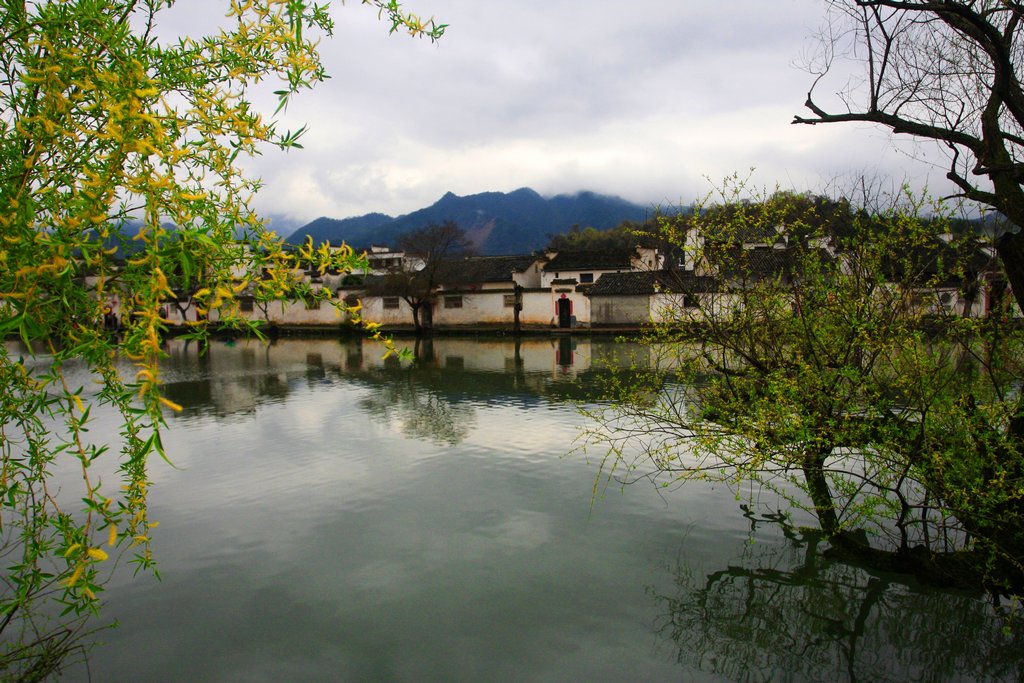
x: 589, y: 260
x: 759, y: 263
x: 768, y: 262
x: 475, y: 269
x: 647, y: 283
x: 939, y: 260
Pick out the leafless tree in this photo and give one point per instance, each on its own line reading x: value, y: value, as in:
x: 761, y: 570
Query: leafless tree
x: 433, y: 245
x: 941, y: 70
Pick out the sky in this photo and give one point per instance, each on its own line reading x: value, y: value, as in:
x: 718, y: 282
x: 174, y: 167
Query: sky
x: 650, y: 100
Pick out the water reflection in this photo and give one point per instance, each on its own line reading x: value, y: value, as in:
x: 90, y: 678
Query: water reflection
x: 233, y: 378
x: 337, y: 516
x: 790, y: 613
x: 420, y: 411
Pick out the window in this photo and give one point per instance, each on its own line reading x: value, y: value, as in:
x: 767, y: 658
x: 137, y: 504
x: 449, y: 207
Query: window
x: 390, y: 302
x: 245, y: 304
x: 351, y: 300
x: 586, y: 278
x: 690, y: 301
x: 453, y: 302
x: 509, y: 300
x: 313, y: 305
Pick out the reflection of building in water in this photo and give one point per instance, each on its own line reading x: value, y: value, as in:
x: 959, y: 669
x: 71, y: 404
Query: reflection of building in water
x: 547, y: 355
x: 237, y: 376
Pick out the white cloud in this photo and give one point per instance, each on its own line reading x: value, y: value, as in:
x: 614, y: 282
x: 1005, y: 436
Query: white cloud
x: 639, y: 99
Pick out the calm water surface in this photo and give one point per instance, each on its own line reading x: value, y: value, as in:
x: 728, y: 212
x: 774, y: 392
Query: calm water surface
x: 335, y: 517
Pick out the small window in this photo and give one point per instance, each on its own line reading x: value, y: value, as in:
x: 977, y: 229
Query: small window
x: 351, y: 300
x: 245, y: 305
x: 390, y: 302
x: 313, y: 305
x: 509, y: 300
x: 690, y: 301
x: 453, y: 302
x: 586, y: 278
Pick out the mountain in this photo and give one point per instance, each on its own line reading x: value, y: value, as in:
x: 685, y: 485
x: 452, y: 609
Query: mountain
x: 496, y: 222
x: 337, y: 230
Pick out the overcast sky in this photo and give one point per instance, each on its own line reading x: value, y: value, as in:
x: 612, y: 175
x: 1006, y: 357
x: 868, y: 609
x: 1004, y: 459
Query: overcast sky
x: 637, y: 98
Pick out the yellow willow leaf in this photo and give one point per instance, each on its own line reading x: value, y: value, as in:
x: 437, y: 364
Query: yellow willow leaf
x: 88, y: 593
x: 72, y: 549
x: 112, y: 536
x: 78, y: 403
x: 73, y: 579
x: 171, y: 404
x: 97, y: 554
x: 143, y: 147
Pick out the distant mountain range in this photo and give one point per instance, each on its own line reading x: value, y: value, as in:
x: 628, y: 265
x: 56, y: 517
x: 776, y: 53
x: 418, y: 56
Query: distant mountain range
x: 496, y: 222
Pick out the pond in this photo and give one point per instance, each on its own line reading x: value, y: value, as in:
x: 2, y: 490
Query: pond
x: 332, y: 516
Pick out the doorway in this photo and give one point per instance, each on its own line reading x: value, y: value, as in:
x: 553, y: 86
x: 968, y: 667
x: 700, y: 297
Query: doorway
x: 564, y: 313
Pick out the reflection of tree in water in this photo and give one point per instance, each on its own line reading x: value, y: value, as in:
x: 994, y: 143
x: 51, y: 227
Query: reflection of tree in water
x: 420, y: 411
x: 794, y: 614
x: 231, y: 379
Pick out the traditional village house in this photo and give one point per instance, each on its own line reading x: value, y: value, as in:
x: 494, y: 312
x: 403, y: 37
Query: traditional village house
x: 952, y: 282
x: 569, y: 275
x: 635, y: 299
x: 385, y: 260
x: 486, y: 290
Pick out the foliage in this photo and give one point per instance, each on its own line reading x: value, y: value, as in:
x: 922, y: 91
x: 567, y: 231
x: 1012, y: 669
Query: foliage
x: 948, y: 72
x: 840, y: 373
x: 108, y: 138
x: 622, y: 238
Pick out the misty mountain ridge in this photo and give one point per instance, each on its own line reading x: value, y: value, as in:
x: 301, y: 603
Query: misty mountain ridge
x: 496, y: 223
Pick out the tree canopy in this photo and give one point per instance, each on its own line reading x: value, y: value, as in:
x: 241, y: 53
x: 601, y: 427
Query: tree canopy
x: 861, y: 382
x: 120, y: 177
x: 949, y: 72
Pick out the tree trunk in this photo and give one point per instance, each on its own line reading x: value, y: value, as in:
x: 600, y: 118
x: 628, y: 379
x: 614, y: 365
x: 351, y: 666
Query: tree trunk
x: 821, y: 495
x: 416, y: 317
x: 1010, y: 248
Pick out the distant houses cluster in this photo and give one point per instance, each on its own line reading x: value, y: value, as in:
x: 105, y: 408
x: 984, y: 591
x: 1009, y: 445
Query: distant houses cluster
x: 583, y: 289
x: 537, y: 291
